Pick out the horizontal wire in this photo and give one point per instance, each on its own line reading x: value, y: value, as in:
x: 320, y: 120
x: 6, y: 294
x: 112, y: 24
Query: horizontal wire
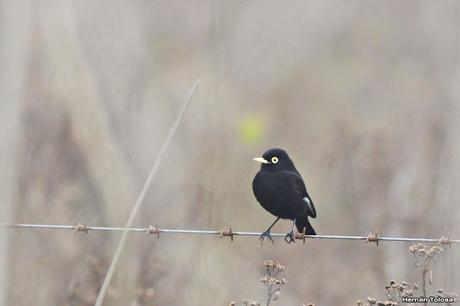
x: 156, y: 230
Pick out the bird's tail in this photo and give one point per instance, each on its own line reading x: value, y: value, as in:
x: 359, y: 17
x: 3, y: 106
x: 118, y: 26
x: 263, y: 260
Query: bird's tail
x: 302, y: 223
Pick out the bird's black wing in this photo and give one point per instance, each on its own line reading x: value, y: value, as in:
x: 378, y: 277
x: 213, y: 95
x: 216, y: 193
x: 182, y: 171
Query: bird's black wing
x: 301, y: 190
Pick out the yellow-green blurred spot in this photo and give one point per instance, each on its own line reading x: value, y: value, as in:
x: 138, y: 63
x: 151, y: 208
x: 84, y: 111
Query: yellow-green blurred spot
x: 251, y: 128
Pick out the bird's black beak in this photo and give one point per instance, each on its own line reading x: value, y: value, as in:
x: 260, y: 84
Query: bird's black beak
x: 261, y: 160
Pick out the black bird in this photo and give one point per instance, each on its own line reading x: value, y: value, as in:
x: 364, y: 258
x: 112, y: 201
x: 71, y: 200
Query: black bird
x: 280, y: 189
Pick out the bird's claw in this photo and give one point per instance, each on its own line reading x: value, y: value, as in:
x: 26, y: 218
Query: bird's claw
x: 290, y: 237
x: 266, y: 234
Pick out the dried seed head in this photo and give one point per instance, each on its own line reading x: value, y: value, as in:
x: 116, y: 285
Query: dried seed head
x: 269, y: 280
x: 416, y: 247
x: 268, y: 263
x: 392, y: 283
x: 371, y: 301
x: 265, y: 279
x: 232, y: 303
x: 415, y: 286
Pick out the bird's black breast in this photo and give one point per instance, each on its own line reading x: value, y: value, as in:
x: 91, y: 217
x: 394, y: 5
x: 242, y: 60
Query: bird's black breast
x: 278, y: 192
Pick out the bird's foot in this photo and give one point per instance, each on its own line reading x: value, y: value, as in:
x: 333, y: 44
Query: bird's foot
x: 264, y: 235
x: 290, y: 237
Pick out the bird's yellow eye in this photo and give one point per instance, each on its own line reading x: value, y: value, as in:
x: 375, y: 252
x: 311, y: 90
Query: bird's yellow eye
x: 274, y: 160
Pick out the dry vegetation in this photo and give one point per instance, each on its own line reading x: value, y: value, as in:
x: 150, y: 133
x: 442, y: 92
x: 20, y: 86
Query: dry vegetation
x: 272, y: 283
x: 424, y: 260
x: 364, y: 95
x: 396, y: 292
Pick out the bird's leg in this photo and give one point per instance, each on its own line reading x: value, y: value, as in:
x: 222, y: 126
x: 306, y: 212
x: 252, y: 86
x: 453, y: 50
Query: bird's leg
x: 267, y: 233
x: 290, y: 237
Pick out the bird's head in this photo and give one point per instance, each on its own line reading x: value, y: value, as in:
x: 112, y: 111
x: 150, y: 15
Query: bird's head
x: 275, y: 160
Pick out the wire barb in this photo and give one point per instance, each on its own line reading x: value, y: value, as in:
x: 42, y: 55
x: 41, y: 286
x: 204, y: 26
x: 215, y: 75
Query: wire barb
x: 227, y: 232
x: 300, y: 236
x: 373, y: 237
x: 445, y: 240
x: 81, y: 227
x: 153, y: 230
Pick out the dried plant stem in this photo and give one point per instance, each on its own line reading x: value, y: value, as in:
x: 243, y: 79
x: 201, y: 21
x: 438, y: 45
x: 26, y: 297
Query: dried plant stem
x: 425, y: 271
x: 424, y: 283
x: 269, y: 288
x: 140, y: 198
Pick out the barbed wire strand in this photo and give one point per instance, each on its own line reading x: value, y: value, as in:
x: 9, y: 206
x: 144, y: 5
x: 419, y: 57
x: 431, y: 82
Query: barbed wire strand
x: 140, y: 198
x: 372, y: 237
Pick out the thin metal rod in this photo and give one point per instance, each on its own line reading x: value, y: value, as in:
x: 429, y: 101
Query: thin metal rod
x: 213, y: 232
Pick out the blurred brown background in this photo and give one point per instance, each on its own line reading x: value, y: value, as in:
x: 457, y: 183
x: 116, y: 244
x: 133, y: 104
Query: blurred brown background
x: 364, y: 96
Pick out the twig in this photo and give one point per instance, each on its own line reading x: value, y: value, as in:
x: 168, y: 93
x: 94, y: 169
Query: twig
x: 140, y: 198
